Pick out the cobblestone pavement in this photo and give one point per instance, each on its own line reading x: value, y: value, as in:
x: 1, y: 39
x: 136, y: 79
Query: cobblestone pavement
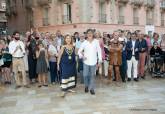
x: 143, y: 97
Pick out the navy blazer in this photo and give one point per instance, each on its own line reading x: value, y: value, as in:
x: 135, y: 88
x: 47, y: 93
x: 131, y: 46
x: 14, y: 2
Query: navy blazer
x: 129, y: 51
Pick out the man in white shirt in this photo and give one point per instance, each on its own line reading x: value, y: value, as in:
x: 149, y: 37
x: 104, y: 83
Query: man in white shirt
x: 17, y: 50
x: 90, y: 51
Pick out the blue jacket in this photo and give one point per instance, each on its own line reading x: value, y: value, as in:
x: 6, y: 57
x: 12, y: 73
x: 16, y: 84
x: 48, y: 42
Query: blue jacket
x: 129, y: 50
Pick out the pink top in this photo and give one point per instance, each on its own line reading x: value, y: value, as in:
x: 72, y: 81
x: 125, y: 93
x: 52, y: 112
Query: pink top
x: 148, y: 42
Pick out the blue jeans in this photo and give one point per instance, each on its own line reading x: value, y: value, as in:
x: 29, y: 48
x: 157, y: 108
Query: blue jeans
x: 89, y: 73
x: 53, y: 71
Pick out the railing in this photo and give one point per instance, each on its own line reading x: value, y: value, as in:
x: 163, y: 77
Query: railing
x: 137, y: 2
x: 123, y: 1
x: 163, y: 23
x: 149, y: 21
x: 149, y: 3
x: 44, y: 2
x: 102, y: 18
x: 66, y: 19
x: 121, y: 20
x: 45, y: 21
x: 136, y: 20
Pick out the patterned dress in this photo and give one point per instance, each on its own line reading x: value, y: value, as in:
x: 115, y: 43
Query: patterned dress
x: 68, y: 70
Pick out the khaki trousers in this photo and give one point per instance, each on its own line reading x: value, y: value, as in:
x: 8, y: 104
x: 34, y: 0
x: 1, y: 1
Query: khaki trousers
x: 19, y: 67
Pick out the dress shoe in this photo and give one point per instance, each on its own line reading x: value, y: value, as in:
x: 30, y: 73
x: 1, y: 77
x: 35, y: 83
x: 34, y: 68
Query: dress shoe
x: 136, y: 80
x: 92, y: 92
x: 26, y: 86
x: 129, y: 79
x: 86, y: 90
x: 39, y: 86
x: 143, y: 77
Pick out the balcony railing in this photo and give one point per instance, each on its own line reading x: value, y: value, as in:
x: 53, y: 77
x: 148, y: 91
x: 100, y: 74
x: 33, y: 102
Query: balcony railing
x: 149, y: 21
x: 149, y: 3
x: 45, y: 21
x: 123, y: 1
x: 137, y: 2
x: 66, y: 19
x: 102, y: 18
x: 44, y: 2
x: 163, y: 23
x: 136, y: 20
x: 121, y: 20
x: 162, y: 4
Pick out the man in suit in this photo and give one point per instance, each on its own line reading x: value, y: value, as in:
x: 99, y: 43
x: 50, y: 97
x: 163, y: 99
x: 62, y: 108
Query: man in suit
x: 132, y: 48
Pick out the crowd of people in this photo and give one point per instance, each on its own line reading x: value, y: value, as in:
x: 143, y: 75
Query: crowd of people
x: 120, y: 57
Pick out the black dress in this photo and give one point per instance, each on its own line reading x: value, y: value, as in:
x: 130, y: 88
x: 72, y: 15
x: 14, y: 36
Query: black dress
x: 32, y: 59
x: 68, y: 70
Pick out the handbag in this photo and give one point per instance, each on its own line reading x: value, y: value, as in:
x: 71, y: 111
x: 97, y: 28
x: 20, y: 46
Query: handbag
x: 1, y: 62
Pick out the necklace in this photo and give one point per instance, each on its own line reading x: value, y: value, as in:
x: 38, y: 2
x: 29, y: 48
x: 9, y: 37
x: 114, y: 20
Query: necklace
x: 69, y: 52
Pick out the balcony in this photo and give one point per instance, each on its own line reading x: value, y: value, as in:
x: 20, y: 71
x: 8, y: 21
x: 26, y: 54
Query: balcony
x: 149, y: 21
x: 162, y: 23
x: 29, y: 4
x: 45, y: 21
x: 3, y: 19
x: 149, y: 3
x: 136, y: 20
x: 102, y: 18
x: 66, y: 19
x: 44, y: 2
x: 121, y: 20
x: 137, y: 2
x: 162, y: 4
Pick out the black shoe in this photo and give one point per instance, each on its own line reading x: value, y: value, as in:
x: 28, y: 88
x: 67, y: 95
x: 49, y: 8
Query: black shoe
x: 26, y: 86
x: 92, y: 92
x: 17, y: 87
x: 86, y: 90
x: 114, y: 79
x: 39, y: 86
x: 129, y: 79
x: 136, y: 79
x: 45, y: 85
x: 9, y: 83
x: 143, y: 77
x: 123, y: 81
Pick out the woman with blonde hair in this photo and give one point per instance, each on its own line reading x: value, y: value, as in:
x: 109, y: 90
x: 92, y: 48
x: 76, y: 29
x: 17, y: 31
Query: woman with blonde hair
x: 67, y: 66
x: 101, y: 42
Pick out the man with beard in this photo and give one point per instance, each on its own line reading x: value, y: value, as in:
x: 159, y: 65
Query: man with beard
x: 17, y: 50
